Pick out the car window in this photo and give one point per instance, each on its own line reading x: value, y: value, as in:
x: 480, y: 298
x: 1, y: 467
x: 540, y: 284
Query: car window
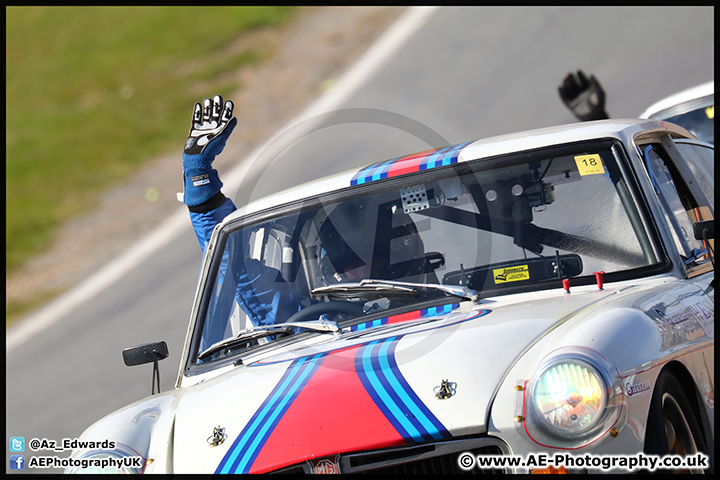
x: 701, y: 161
x: 677, y: 202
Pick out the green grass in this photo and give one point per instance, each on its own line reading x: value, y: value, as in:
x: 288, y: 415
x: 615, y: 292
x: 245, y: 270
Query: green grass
x: 93, y: 92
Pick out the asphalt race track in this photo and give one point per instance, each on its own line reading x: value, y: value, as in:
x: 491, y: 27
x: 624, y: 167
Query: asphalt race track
x: 466, y: 73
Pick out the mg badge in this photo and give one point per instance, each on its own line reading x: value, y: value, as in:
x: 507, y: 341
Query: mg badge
x: 325, y: 466
x: 445, y: 390
x: 218, y: 437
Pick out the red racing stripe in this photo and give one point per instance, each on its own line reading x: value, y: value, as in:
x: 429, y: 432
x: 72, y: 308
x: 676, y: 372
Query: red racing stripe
x: 409, y: 163
x: 404, y: 317
x: 332, y: 414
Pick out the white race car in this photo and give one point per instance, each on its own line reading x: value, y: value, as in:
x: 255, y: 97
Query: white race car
x: 544, y: 293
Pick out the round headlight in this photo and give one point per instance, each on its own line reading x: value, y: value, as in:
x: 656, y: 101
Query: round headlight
x: 574, y: 397
x: 569, y: 397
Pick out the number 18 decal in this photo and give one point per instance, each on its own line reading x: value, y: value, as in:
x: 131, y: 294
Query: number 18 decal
x: 589, y: 164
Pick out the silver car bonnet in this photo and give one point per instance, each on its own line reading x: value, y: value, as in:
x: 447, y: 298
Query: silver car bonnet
x: 365, y: 389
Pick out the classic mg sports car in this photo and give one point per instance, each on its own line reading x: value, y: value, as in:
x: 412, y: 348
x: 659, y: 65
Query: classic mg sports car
x: 545, y: 292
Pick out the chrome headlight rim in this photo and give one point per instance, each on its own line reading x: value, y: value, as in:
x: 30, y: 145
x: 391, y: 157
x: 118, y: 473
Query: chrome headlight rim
x: 608, y: 413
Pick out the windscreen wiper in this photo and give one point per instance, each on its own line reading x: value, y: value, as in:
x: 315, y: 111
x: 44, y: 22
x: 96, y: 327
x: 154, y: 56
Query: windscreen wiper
x: 383, y: 288
x: 261, y: 331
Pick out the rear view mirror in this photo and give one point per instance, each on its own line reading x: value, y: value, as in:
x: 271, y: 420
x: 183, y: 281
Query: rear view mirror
x: 149, y: 352
x: 504, y: 274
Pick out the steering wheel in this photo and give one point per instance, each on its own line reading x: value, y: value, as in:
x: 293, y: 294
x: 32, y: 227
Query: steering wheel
x: 313, y: 312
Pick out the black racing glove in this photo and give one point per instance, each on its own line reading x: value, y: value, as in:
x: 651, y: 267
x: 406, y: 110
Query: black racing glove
x: 585, y: 98
x: 212, y: 124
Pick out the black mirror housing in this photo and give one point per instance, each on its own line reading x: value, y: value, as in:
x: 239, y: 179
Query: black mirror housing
x: 704, y: 230
x: 147, y: 353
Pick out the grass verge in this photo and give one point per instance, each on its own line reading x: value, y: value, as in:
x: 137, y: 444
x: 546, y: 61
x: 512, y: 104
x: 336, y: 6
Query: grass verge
x: 93, y: 92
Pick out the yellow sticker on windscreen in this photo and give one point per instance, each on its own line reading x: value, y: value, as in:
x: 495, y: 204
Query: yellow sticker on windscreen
x: 511, y: 274
x: 589, y: 164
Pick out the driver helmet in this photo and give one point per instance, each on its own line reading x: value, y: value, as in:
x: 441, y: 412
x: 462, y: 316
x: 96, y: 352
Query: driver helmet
x: 368, y: 238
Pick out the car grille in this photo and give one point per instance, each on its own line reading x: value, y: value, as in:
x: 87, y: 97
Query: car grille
x: 433, y: 458
x: 440, y: 464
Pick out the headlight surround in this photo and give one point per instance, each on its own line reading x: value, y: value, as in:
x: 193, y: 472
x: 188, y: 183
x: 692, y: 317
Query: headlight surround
x: 574, y: 397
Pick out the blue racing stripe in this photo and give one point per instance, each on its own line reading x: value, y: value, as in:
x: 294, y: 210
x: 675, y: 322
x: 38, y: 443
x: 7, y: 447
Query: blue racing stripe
x: 249, y: 432
x: 247, y: 446
x: 445, y: 156
x: 381, y: 396
x: 373, y: 172
x: 390, y: 391
x: 374, y: 323
x: 432, y: 425
x: 435, y: 311
x: 407, y: 406
x: 431, y: 160
x: 381, y: 171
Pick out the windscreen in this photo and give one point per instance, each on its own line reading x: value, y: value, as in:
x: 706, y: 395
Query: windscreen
x: 497, y: 226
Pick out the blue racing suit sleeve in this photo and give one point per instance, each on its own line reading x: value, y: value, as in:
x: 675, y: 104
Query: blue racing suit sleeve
x: 262, y: 293
x: 204, y: 223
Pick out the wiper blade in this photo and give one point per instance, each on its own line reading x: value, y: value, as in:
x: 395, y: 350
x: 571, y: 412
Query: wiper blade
x: 384, y: 287
x: 261, y: 331
x: 367, y: 287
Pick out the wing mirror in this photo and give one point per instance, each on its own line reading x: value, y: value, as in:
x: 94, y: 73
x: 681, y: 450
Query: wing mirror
x: 142, y: 354
x: 704, y: 230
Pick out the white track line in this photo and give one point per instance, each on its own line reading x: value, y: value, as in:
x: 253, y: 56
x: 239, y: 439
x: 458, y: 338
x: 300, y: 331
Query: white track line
x: 410, y: 22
